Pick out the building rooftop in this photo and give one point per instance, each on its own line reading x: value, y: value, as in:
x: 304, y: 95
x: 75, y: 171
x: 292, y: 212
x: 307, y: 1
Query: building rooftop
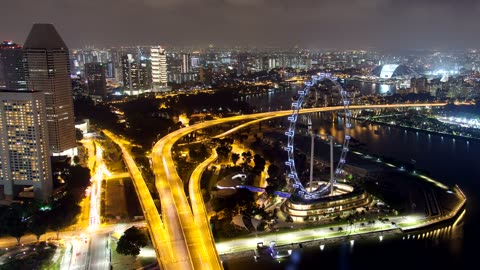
x: 44, y: 36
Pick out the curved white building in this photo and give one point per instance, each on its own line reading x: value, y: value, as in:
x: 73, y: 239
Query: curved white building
x: 394, y: 71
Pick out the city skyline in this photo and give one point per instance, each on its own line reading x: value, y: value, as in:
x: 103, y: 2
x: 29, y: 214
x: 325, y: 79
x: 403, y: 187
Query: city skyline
x: 239, y: 134
x: 330, y: 24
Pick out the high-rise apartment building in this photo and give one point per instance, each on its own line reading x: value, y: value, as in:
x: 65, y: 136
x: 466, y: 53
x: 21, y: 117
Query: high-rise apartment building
x: 159, y: 66
x: 145, y: 76
x: 195, y: 61
x: 130, y: 73
x: 12, y: 75
x: 47, y: 70
x: 24, y: 152
x: 110, y: 70
x: 96, y: 79
x: 186, y: 63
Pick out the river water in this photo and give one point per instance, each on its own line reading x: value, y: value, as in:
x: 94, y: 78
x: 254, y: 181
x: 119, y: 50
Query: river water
x: 448, y: 160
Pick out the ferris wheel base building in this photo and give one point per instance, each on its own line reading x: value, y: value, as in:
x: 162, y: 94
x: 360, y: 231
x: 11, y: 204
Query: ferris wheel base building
x: 344, y: 199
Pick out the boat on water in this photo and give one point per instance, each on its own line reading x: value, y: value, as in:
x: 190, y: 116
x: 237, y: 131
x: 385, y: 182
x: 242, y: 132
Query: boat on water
x: 282, y: 254
x: 270, y: 251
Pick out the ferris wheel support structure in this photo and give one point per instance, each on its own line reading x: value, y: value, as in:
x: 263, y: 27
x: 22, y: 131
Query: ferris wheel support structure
x: 296, y: 107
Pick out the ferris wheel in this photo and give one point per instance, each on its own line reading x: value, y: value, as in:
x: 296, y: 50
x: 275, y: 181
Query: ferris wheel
x: 304, y: 97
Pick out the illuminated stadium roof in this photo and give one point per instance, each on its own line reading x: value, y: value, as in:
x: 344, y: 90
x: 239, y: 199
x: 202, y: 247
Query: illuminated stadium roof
x: 392, y: 71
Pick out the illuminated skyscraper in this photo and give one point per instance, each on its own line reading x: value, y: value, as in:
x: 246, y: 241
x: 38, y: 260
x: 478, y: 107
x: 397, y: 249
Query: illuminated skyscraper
x: 130, y: 73
x: 110, y: 70
x: 186, y: 63
x: 145, y: 76
x: 25, y: 159
x: 96, y: 81
x: 195, y: 61
x: 159, y: 66
x: 12, y: 75
x: 47, y: 70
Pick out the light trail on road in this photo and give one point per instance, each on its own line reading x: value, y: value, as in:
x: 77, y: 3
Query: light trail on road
x: 198, y: 205
x: 158, y: 234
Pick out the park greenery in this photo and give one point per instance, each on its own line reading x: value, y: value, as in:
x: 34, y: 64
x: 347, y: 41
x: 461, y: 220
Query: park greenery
x: 147, y: 118
x: 59, y: 212
x: 132, y: 240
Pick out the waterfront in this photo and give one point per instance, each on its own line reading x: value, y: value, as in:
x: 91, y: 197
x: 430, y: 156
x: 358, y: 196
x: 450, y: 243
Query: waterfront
x: 448, y: 160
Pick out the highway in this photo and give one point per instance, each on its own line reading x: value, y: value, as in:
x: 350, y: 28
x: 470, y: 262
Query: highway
x: 99, y: 255
x: 90, y: 250
x: 160, y: 239
x: 194, y: 189
x: 84, y: 218
x: 194, y: 249
x: 98, y: 171
x: 197, y: 203
x: 80, y: 251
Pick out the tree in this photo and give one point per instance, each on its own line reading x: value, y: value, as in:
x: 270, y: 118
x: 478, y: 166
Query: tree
x: 38, y: 225
x: 64, y: 214
x: 270, y: 190
x: 247, y: 156
x: 217, y: 204
x: 235, y: 157
x: 273, y: 170
x: 78, y: 134
x: 223, y: 151
x: 76, y: 160
x: 14, y: 224
x: 259, y: 163
x: 132, y: 240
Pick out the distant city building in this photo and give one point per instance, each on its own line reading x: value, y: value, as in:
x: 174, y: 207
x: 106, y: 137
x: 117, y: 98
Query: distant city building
x: 137, y: 75
x: 78, y: 86
x: 159, y: 66
x: 264, y: 63
x: 130, y: 73
x: 145, y: 76
x: 273, y: 62
x: 47, y: 69
x: 96, y: 79
x: 195, y: 61
x: 242, y: 63
x: 110, y: 70
x: 12, y: 75
x: 186, y: 63
x: 419, y: 85
x: 182, y: 77
x: 25, y: 159
x: 80, y: 57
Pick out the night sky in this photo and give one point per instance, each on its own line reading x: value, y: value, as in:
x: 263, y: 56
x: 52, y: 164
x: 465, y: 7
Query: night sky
x: 343, y: 24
